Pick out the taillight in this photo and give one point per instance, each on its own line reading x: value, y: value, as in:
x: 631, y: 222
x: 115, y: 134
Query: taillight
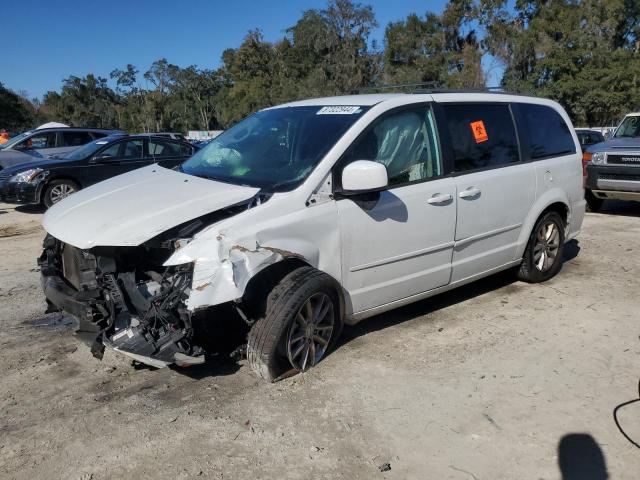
x: 586, y: 158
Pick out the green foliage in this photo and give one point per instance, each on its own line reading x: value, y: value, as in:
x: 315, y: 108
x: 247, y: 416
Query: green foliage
x: 583, y: 53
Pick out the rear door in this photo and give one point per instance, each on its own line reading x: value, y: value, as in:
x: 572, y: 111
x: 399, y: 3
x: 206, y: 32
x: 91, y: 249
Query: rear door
x: 494, y: 189
x: 168, y: 153
x: 398, y: 242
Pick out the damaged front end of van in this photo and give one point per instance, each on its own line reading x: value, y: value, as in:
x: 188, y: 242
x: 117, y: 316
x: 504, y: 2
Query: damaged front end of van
x: 139, y: 295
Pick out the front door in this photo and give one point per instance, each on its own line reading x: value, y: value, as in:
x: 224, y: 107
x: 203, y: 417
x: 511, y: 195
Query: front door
x: 495, y: 190
x: 398, y: 243
x: 116, y: 159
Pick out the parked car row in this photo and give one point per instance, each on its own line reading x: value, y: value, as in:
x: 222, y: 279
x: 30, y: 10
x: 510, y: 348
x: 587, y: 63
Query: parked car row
x: 310, y: 215
x: 49, y: 180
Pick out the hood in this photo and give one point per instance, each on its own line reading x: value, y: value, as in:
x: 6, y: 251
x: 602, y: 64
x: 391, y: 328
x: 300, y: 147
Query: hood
x: 614, y: 144
x: 9, y: 158
x: 130, y: 209
x: 12, y: 168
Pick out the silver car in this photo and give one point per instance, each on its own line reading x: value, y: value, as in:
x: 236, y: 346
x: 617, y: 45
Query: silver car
x: 47, y: 143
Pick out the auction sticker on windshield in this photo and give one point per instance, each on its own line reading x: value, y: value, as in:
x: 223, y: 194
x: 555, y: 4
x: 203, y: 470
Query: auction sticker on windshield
x: 338, y: 110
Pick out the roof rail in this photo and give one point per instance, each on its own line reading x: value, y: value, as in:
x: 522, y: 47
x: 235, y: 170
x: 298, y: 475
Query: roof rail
x: 432, y: 87
x: 405, y: 86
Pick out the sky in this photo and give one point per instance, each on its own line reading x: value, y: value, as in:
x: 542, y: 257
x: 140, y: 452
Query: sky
x: 44, y: 42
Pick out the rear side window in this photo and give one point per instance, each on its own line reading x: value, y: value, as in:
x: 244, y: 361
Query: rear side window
x: 163, y: 148
x: 544, y: 131
x: 482, y: 136
x: 75, y: 139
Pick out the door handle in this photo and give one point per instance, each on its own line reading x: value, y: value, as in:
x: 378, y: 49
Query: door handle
x: 470, y: 192
x: 440, y: 198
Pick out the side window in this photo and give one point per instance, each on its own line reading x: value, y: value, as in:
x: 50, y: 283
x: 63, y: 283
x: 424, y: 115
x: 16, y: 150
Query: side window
x: 75, y: 139
x: 545, y: 132
x: 39, y: 141
x: 186, y: 150
x: 132, y: 149
x: 162, y: 148
x: 111, y: 150
x: 405, y: 142
x: 482, y: 135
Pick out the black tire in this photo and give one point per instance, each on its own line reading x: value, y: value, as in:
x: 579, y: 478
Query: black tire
x: 529, y: 270
x: 593, y: 203
x: 49, y: 197
x: 267, y: 340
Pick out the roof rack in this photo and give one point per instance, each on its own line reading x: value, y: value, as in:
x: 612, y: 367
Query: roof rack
x: 433, y: 87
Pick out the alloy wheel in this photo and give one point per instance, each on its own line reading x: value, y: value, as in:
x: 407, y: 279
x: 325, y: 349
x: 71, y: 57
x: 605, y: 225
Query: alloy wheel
x: 545, y: 250
x: 310, y: 332
x: 61, y: 191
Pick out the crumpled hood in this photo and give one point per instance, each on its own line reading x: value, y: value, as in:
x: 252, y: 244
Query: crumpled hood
x: 616, y: 144
x: 130, y: 209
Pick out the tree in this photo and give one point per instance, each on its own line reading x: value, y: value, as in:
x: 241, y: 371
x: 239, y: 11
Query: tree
x: 583, y: 54
x: 440, y: 49
x: 14, y: 113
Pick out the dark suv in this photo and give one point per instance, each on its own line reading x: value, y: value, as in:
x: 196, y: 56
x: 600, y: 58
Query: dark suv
x: 48, y: 143
x: 48, y: 181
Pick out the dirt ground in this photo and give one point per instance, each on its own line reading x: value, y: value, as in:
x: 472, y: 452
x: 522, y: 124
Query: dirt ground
x: 499, y: 380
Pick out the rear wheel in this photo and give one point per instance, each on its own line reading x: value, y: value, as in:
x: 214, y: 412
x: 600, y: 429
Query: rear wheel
x: 543, y: 256
x: 58, y: 190
x: 593, y: 203
x: 301, y: 323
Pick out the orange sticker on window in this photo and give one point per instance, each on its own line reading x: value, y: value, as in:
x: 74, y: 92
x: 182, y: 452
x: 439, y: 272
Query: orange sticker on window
x: 479, y: 132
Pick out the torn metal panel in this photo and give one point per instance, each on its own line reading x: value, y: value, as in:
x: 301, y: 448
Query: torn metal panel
x: 226, y: 258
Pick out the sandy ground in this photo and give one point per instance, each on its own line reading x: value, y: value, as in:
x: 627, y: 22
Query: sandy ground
x: 501, y: 380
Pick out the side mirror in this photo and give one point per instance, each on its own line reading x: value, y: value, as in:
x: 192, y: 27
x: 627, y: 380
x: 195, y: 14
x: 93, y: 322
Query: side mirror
x: 364, y: 176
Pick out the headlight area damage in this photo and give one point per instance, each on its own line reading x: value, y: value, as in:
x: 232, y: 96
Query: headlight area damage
x: 127, y: 298
x: 124, y: 299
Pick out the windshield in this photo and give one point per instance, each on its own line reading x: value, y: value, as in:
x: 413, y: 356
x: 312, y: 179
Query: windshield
x: 86, y: 150
x: 274, y: 149
x: 16, y: 139
x: 630, y: 127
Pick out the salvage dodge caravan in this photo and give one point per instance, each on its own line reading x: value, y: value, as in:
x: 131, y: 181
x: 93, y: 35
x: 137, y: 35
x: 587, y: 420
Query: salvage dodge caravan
x: 310, y: 215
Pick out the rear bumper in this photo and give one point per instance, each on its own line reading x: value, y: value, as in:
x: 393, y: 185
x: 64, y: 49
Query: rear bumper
x: 24, y: 193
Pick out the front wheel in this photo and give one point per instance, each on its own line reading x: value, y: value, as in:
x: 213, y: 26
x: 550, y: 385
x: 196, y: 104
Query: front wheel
x: 543, y: 256
x: 58, y: 190
x: 302, y: 322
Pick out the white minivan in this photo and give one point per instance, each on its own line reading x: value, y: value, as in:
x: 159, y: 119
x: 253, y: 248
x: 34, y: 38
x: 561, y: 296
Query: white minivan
x: 313, y: 214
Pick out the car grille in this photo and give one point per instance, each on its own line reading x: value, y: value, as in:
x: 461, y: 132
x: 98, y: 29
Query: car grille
x: 4, y: 176
x: 630, y: 159
x: 617, y: 176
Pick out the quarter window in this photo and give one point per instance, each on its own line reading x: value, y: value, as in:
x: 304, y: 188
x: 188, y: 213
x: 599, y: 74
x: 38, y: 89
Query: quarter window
x: 405, y: 142
x: 482, y: 136
x: 545, y: 132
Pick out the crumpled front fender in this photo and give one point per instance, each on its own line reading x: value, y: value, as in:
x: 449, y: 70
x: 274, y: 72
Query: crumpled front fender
x: 223, y: 269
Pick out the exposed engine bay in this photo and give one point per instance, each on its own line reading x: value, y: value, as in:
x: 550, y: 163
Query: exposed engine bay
x: 124, y: 298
